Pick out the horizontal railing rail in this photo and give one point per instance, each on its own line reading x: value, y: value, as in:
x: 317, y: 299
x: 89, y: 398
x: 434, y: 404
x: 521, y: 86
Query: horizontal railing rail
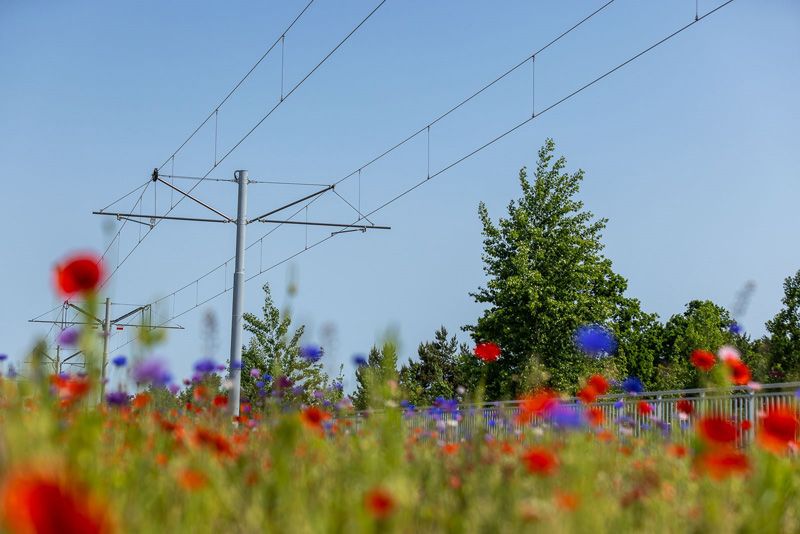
x: 621, y: 413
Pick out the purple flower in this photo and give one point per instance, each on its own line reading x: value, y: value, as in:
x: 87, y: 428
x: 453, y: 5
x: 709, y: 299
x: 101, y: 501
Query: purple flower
x: 360, y: 360
x: 736, y: 329
x: 284, y: 382
x: 260, y: 384
x: 311, y: 353
x: 595, y: 340
x: 174, y: 388
x: 205, y: 366
x: 566, y: 417
x: 620, y: 404
x: 297, y: 390
x: 337, y: 386
x: 119, y: 361
x: 68, y: 337
x: 632, y: 385
x: 117, y: 398
x: 3, y: 357
x: 255, y: 372
x: 318, y: 394
x: 151, y: 371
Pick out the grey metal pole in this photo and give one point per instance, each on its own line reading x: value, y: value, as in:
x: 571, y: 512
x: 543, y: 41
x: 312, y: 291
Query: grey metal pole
x: 238, y: 296
x: 106, y: 334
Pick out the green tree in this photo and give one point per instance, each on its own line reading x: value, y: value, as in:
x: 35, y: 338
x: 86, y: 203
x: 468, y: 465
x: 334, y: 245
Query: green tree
x: 435, y: 372
x: 547, y: 276
x: 274, y: 349
x: 784, y: 329
x: 703, y: 325
x: 373, y: 379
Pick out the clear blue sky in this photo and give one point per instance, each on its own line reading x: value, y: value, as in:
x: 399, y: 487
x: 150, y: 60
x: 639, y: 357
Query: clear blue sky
x: 690, y: 152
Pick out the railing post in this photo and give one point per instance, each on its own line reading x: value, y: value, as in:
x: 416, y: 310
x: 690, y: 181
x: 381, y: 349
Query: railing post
x: 751, y: 415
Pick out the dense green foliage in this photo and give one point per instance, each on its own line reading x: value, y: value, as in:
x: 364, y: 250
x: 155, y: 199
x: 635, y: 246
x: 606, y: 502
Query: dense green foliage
x: 274, y: 350
x: 784, y: 328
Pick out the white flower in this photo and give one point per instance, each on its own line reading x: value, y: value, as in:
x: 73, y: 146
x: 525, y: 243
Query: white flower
x: 728, y: 353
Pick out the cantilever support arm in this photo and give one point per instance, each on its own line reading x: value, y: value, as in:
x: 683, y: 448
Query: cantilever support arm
x: 187, y: 195
x: 261, y: 218
x: 86, y: 313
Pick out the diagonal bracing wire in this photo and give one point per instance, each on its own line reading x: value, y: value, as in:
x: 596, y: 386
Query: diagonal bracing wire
x: 444, y: 169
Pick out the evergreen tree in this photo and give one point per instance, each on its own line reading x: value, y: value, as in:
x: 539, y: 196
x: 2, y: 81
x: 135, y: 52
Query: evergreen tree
x: 547, y: 276
x: 365, y: 378
x: 275, y: 350
x: 373, y: 379
x: 434, y: 373
x: 784, y: 329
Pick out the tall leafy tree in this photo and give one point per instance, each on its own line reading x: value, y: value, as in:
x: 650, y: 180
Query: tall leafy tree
x: 784, y: 329
x: 274, y: 349
x: 703, y: 325
x: 547, y: 276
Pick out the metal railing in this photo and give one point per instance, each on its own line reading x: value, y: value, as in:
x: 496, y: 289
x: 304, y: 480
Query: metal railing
x: 621, y: 413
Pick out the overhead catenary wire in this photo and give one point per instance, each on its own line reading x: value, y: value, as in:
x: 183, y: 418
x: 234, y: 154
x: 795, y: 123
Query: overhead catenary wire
x: 243, y: 138
x: 454, y: 163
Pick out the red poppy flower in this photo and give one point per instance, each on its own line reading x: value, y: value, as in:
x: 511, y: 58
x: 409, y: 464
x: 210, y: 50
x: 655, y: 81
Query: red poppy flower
x: 722, y: 463
x: 685, y: 406
x: 314, y: 417
x: 537, y: 405
x: 746, y: 425
x: 379, y: 503
x: 588, y: 395
x: 70, y: 389
x: 40, y: 503
x: 595, y: 416
x: 778, y: 429
x: 599, y: 383
x: 192, y: 480
x: 540, y: 461
x: 220, y: 401
x: 488, y: 352
x: 703, y: 360
x: 217, y: 442
x: 716, y: 429
x: 78, y: 274
x: 645, y: 408
x: 567, y: 501
x: 450, y: 448
x: 677, y: 450
x: 740, y: 373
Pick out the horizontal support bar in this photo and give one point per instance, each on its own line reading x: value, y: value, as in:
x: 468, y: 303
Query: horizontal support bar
x: 131, y: 325
x: 336, y: 225
x: 164, y: 217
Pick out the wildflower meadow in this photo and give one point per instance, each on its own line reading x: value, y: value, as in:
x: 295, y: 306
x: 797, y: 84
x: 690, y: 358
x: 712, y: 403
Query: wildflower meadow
x: 133, y: 462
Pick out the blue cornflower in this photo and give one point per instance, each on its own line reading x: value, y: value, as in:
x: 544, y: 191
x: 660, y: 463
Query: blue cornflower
x: 736, y: 329
x: 260, y: 384
x: 595, y: 340
x: 117, y: 398
x: 205, y: 366
x: 632, y: 385
x: 311, y: 353
x: 151, y: 371
x: 337, y: 386
x: 119, y: 361
x: 360, y: 360
x: 68, y: 337
x: 3, y: 357
x: 566, y: 417
x: 267, y: 378
x: 620, y: 404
